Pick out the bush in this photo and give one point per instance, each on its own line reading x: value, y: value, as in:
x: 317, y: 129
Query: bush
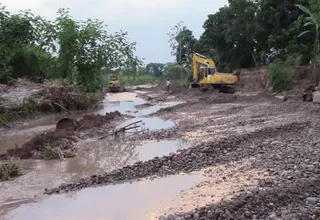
x: 9, y: 170
x: 281, y: 73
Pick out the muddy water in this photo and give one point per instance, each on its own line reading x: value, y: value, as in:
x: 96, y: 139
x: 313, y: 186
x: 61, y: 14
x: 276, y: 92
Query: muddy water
x: 136, y: 200
x: 139, y: 201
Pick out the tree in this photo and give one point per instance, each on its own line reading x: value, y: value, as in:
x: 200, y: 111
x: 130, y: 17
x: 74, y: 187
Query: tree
x: 155, y: 69
x: 33, y: 47
x: 243, y: 33
x: 230, y: 36
x: 313, y: 21
x: 182, y: 43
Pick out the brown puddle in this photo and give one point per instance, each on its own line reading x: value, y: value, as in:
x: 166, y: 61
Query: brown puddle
x: 94, y: 157
x: 139, y: 200
x: 128, y: 201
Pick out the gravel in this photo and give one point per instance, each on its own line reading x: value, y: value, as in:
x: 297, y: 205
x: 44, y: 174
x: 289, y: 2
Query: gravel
x: 187, y: 160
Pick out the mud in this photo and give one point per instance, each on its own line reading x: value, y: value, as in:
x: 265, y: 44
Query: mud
x: 60, y: 142
x: 255, y: 157
x: 23, y: 99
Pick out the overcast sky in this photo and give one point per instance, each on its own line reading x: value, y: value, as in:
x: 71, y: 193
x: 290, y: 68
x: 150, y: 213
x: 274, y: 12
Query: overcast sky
x: 147, y: 21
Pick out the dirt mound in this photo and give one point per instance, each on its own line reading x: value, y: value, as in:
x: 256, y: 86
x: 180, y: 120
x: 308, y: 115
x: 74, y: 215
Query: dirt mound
x: 59, y: 143
x: 57, y: 98
x: 37, y: 146
x: 256, y: 79
x: 22, y: 99
x: 90, y: 121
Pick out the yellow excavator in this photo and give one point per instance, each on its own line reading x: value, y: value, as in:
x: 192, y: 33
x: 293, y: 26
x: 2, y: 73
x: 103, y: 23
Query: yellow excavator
x: 209, y: 76
x: 114, y: 82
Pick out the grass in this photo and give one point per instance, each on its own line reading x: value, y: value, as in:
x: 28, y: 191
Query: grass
x: 54, y: 150
x: 9, y: 170
x: 184, y: 84
x: 281, y: 73
x: 164, y: 110
x: 4, y: 121
x: 139, y: 80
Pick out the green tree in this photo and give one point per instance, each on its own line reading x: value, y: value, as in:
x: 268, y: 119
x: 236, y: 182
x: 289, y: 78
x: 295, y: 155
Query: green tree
x: 33, y: 47
x: 182, y: 43
x: 155, y: 69
x: 230, y: 36
x: 313, y: 21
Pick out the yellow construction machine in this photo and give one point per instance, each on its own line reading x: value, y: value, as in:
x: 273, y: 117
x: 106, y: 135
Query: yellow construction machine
x: 114, y: 82
x: 209, y: 75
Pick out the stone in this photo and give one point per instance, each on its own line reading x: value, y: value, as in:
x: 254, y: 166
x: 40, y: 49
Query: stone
x: 316, y: 97
x: 311, y: 200
x: 273, y: 216
x: 248, y: 214
x: 171, y: 217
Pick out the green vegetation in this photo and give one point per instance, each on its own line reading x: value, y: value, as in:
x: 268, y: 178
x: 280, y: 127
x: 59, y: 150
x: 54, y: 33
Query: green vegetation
x: 242, y: 34
x: 66, y: 49
x: 164, y: 110
x: 139, y: 80
x: 9, y: 170
x: 245, y: 34
x: 281, y: 73
x: 56, y: 149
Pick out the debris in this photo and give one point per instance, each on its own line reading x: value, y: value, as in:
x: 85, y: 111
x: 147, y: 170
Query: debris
x: 308, y: 94
x: 59, y: 143
x: 67, y: 123
x: 122, y: 130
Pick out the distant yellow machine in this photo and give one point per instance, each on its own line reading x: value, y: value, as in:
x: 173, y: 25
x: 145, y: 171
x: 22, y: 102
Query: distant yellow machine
x: 209, y: 76
x: 114, y: 82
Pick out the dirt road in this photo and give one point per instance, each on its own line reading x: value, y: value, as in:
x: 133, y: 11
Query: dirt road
x: 210, y: 155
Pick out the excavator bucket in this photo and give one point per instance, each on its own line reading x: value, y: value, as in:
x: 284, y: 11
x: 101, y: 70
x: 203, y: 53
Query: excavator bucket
x: 194, y: 85
x: 114, y: 89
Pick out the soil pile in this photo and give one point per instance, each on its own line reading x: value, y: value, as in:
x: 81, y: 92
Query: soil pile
x: 38, y: 147
x: 57, y: 98
x: 59, y: 143
x: 23, y: 98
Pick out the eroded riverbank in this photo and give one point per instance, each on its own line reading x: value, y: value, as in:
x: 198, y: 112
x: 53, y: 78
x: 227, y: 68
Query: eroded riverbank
x: 245, y: 156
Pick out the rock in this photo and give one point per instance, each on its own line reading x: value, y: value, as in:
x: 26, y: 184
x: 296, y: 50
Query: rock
x: 311, y: 200
x: 171, y: 217
x: 283, y: 98
x: 210, y: 214
x: 248, y: 214
x: 272, y: 216
x: 316, y: 97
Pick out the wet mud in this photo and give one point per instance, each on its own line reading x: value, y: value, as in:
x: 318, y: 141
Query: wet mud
x: 242, y: 156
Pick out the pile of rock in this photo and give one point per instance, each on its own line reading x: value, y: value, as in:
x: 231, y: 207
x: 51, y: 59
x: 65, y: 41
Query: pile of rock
x: 316, y: 94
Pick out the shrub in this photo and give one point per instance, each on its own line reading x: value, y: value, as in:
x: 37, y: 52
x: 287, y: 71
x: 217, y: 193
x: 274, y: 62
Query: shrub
x: 281, y: 72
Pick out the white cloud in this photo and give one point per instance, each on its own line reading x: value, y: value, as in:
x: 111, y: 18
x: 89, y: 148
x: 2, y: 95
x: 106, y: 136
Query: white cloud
x: 147, y: 21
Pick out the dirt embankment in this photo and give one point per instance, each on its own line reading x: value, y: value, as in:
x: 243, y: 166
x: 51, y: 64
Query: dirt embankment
x: 60, y: 142
x: 257, y: 80
x: 23, y: 99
